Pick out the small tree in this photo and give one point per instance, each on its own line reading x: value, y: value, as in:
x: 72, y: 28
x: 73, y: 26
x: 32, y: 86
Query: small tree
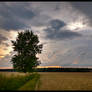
x: 26, y: 46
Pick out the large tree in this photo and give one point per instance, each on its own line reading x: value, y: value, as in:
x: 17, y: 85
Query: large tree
x: 27, y: 47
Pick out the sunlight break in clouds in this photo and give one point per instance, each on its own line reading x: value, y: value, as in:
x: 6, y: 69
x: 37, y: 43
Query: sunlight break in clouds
x: 78, y: 24
x: 4, y: 49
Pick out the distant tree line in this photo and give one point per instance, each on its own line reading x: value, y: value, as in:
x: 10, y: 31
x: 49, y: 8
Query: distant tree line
x: 64, y: 69
x: 54, y: 70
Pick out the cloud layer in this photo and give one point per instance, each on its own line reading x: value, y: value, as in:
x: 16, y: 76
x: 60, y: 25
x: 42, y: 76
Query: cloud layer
x: 51, y: 22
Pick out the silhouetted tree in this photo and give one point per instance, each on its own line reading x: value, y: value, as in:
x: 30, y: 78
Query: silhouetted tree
x: 27, y: 46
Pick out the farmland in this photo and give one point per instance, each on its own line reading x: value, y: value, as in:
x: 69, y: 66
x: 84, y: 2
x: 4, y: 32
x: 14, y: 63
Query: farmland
x: 46, y: 81
x: 65, y: 81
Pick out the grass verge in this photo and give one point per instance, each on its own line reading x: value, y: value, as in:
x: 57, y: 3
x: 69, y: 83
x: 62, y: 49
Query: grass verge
x: 15, y: 82
x: 31, y: 84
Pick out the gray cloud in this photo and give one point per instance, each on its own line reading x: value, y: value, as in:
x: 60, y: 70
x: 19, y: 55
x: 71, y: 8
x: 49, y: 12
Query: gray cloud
x: 21, y: 11
x: 6, y: 44
x: 12, y: 24
x: 40, y: 20
x: 4, y: 62
x: 79, y: 51
x: 18, y: 9
x: 11, y: 16
x: 57, y: 24
x: 56, y: 31
x: 2, y: 38
x: 85, y: 8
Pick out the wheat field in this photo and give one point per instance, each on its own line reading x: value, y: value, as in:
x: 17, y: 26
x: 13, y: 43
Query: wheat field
x: 65, y: 81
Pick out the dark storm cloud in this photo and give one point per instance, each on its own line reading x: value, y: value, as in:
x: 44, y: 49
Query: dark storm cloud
x: 11, y: 16
x: 21, y: 11
x: 84, y: 7
x: 12, y: 24
x: 57, y: 24
x: 55, y: 31
x: 2, y: 38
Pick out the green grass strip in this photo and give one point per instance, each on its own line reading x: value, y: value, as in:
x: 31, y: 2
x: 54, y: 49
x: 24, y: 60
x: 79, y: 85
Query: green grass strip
x: 31, y: 84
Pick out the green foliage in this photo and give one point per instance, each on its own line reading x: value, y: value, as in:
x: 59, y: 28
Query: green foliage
x: 14, y: 82
x: 27, y: 46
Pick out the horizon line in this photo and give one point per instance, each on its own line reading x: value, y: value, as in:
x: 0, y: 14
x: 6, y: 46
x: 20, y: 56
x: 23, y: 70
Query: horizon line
x: 63, y: 66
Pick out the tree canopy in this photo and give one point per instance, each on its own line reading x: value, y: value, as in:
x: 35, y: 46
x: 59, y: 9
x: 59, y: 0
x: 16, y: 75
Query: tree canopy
x: 27, y: 47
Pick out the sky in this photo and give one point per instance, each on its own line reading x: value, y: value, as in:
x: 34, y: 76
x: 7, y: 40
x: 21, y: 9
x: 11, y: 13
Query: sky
x: 64, y: 29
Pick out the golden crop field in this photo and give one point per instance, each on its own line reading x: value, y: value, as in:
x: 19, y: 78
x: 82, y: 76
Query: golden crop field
x: 65, y: 81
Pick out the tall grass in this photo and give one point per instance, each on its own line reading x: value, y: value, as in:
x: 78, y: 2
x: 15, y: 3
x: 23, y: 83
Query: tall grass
x: 31, y: 84
x: 14, y: 82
